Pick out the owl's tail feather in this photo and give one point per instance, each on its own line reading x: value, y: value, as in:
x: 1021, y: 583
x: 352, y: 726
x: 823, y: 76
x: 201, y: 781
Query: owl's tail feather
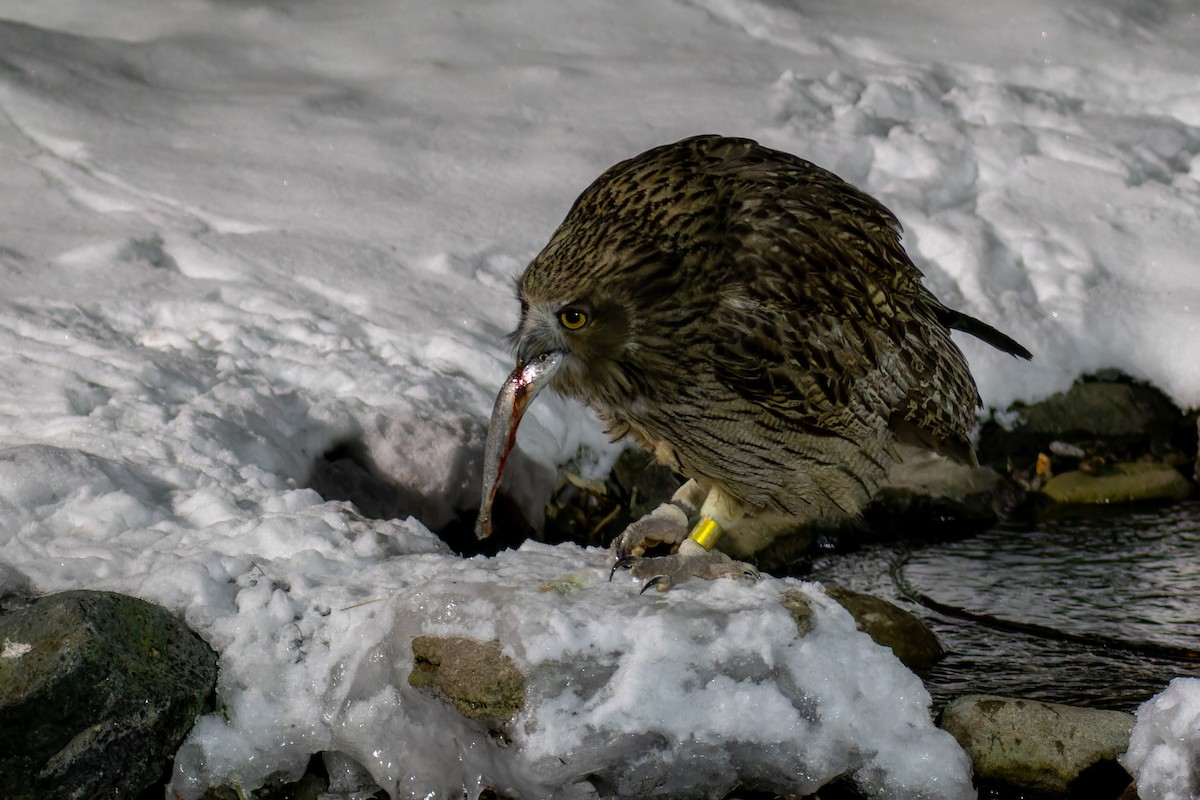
x: 982, y: 331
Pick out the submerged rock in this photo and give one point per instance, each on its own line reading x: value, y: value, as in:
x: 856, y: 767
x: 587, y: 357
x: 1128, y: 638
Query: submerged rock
x: 97, y: 691
x: 1118, y: 483
x: 1038, y: 748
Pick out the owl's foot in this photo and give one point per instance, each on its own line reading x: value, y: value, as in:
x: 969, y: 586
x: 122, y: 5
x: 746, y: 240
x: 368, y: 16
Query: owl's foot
x: 667, y: 524
x: 663, y: 572
x: 695, y: 557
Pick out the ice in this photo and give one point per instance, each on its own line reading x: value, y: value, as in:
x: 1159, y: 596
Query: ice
x: 1164, y: 748
x: 707, y: 683
x: 240, y: 236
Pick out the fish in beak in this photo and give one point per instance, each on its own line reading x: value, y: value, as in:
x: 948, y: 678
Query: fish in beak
x: 518, y: 391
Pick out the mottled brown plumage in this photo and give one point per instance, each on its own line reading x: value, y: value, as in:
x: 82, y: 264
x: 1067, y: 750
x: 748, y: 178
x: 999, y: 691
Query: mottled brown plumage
x: 753, y: 321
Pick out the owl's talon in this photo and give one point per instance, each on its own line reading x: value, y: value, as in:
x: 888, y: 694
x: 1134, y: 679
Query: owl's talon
x: 622, y: 562
x: 660, y: 582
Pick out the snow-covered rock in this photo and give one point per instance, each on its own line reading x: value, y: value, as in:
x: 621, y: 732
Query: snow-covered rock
x: 687, y: 693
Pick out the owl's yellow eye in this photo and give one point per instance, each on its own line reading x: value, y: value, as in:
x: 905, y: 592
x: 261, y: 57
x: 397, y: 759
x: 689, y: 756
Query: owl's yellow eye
x: 572, y: 318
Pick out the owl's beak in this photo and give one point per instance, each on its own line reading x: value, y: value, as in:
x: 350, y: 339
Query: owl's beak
x: 523, y: 384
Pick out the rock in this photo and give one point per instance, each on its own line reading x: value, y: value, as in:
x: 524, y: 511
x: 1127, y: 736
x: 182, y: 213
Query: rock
x: 309, y: 787
x: 1118, y: 483
x: 97, y: 691
x: 591, y: 708
x: 1035, y: 747
x: 801, y: 610
x: 475, y: 676
x: 1109, y: 415
x: 484, y: 684
x: 16, y: 590
x: 891, y: 626
x: 936, y: 495
x: 330, y: 776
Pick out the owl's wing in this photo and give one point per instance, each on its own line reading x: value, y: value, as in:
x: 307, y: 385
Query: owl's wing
x: 823, y: 322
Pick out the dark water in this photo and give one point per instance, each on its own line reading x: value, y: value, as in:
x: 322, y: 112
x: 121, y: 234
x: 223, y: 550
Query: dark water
x: 1123, y: 590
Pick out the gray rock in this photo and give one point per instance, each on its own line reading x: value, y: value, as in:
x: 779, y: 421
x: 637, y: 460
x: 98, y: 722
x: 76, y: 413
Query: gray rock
x: 1038, y: 748
x: 1101, y: 409
x: 891, y: 626
x: 937, y: 495
x: 1109, y: 413
x: 97, y: 691
x: 16, y: 590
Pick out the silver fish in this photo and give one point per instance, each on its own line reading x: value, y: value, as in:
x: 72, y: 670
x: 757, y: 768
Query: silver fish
x: 516, y: 394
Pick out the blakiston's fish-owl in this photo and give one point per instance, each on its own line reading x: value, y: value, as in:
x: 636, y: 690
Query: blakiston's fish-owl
x: 754, y: 322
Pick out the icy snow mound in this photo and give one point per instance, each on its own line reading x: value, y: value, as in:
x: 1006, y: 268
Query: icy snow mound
x: 1164, y: 748
x: 639, y: 695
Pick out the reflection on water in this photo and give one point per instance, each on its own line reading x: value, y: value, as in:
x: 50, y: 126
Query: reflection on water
x: 1132, y: 577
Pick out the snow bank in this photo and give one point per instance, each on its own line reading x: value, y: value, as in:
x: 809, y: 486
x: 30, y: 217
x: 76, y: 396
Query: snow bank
x: 1164, y: 748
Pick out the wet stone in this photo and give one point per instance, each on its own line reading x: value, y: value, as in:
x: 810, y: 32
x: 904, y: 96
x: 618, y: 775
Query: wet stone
x: 97, y: 691
x: 891, y: 626
x: 1118, y: 483
x: 1041, y: 749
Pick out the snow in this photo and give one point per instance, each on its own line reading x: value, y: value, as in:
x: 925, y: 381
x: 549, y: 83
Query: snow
x: 702, y: 684
x: 1164, y: 747
x: 239, y: 235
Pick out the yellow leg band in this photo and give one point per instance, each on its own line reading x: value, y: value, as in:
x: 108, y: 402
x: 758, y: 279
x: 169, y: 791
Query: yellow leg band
x: 706, y: 533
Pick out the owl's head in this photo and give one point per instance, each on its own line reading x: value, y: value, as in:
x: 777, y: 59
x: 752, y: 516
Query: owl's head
x: 628, y: 268
x: 589, y: 324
